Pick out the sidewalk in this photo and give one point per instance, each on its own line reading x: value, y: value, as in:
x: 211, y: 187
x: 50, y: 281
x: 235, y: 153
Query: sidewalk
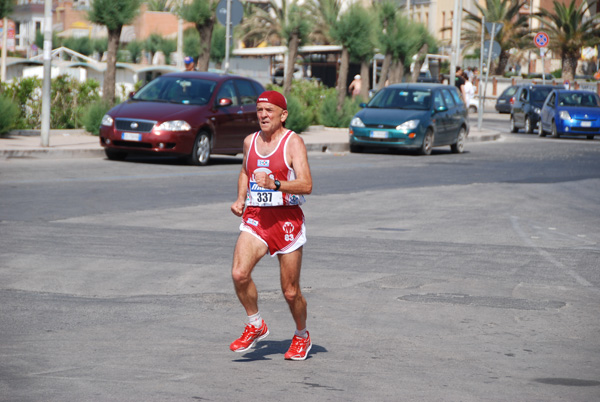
x: 78, y: 143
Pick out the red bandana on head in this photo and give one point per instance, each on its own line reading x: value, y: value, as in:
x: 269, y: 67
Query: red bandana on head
x: 274, y: 98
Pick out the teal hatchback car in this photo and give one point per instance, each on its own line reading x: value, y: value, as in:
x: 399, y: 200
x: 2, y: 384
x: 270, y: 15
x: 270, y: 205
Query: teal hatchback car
x: 411, y: 116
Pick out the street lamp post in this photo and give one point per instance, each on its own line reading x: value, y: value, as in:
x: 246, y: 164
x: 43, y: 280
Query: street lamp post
x: 46, y: 87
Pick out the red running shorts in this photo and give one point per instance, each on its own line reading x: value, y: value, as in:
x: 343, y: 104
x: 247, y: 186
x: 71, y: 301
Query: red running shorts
x: 280, y: 228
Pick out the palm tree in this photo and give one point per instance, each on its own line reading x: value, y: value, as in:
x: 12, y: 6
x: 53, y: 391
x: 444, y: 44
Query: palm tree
x: 514, y: 34
x: 203, y: 14
x: 570, y: 28
x: 158, y: 5
x: 113, y: 14
x: 353, y: 30
x: 325, y: 14
x: 276, y: 24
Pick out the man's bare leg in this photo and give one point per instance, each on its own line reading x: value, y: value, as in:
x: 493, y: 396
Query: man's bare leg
x: 290, y: 265
x: 248, y: 251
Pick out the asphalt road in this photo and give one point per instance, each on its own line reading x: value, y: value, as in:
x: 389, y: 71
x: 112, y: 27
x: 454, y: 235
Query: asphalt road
x: 469, y: 277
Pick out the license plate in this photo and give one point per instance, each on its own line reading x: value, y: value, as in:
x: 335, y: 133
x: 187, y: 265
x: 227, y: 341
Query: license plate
x: 379, y: 134
x: 131, y: 137
x: 501, y: 101
x: 586, y: 124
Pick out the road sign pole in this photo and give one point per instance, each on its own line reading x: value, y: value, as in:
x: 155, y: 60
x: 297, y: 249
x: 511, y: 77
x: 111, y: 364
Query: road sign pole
x: 47, y: 79
x: 227, y: 35
x: 489, y: 61
x: 481, y: 97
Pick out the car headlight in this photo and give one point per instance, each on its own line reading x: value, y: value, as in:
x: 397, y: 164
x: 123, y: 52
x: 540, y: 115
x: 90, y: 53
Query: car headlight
x: 357, y: 122
x: 564, y: 115
x: 175, y: 125
x: 408, y: 125
x: 107, y: 120
x: 537, y: 110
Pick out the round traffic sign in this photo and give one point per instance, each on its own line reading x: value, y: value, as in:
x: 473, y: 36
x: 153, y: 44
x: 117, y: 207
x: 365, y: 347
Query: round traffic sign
x: 541, y: 39
x: 237, y: 12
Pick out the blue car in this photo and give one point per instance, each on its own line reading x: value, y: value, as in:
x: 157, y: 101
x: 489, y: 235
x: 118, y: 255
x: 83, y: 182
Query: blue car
x: 411, y: 116
x: 570, y: 113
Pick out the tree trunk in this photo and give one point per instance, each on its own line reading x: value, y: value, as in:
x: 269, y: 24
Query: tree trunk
x: 110, y: 75
x: 205, y: 32
x: 501, y: 63
x: 365, y: 82
x: 569, y: 66
x: 397, y: 72
x: 343, y: 78
x: 293, y: 44
x: 385, y: 71
x: 419, y: 62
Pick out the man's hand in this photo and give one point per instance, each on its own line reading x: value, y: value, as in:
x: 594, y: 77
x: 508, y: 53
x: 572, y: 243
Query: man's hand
x: 263, y: 180
x: 238, y: 208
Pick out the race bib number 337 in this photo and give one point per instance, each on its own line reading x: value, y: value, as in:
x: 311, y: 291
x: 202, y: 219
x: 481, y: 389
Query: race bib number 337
x: 264, y: 197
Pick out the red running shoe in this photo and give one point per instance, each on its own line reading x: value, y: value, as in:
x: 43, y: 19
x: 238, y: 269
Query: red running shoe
x: 250, y: 336
x: 299, y: 348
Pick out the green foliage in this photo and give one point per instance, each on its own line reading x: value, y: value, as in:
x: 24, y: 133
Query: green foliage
x: 26, y: 93
x: 198, y: 12
x: 354, y: 31
x: 329, y: 115
x: 6, y: 7
x: 113, y: 13
x: 157, y: 5
x: 191, y: 43
x: 217, y: 44
x: 297, y: 22
x: 68, y: 98
x: 9, y: 115
x: 135, y: 50
x: 168, y: 46
x: 299, y: 118
x: 91, y: 116
x: 311, y: 95
x: 557, y: 73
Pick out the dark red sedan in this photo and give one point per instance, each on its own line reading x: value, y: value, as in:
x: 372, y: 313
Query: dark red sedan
x: 189, y: 114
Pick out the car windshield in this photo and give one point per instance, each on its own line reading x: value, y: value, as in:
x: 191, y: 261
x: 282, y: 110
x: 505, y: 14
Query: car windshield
x: 510, y: 91
x: 579, y: 99
x: 539, y: 94
x: 187, y: 91
x: 401, y: 98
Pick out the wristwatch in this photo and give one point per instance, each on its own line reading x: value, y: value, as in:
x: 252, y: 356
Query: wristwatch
x: 277, y: 185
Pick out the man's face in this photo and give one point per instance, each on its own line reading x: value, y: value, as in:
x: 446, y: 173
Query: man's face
x: 270, y: 117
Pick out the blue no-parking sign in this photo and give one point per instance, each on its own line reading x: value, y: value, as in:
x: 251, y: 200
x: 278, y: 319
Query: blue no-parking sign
x: 541, y: 39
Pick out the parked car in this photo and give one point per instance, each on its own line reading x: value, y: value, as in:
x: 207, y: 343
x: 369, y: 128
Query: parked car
x: 570, y: 113
x: 527, y: 105
x: 190, y: 114
x: 503, y: 104
x: 411, y: 116
x: 425, y: 76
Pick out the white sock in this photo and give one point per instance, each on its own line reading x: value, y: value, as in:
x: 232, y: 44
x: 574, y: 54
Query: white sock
x: 302, y: 333
x: 255, y: 319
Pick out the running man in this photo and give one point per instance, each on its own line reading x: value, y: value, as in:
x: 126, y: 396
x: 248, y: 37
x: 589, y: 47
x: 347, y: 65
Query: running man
x: 274, y: 178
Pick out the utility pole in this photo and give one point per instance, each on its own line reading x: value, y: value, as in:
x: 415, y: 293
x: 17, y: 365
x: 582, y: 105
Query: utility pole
x: 4, y: 43
x: 46, y: 87
x: 180, y: 39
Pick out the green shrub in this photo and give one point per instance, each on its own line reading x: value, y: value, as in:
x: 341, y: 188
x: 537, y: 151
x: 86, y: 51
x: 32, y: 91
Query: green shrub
x: 27, y: 94
x: 329, y: 115
x: 557, y: 73
x: 299, y: 118
x: 91, y: 116
x: 9, y: 115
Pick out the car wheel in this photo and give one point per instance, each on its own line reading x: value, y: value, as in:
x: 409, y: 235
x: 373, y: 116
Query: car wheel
x: 427, y: 143
x: 590, y: 137
x: 472, y: 109
x: 513, y: 128
x: 541, y: 132
x: 459, y: 146
x: 201, y: 153
x: 528, y: 127
x: 554, y: 130
x: 115, y: 155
